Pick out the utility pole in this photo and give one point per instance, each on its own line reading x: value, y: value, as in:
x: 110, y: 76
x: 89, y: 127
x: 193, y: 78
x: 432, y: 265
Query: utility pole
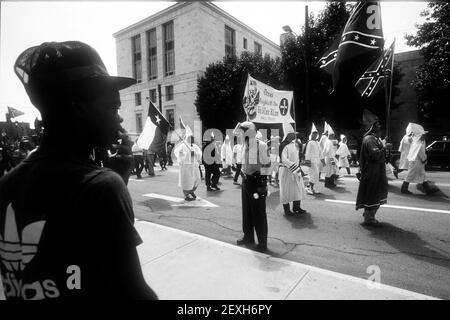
x: 305, y: 52
x: 159, y: 98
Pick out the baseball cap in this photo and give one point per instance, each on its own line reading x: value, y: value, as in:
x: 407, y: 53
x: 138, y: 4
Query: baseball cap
x: 59, y: 63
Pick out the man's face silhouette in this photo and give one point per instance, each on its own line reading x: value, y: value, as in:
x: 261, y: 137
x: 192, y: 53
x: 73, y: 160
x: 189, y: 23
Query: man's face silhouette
x: 101, y: 114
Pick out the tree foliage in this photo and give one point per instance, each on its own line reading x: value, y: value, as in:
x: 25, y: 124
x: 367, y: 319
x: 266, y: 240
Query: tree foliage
x: 221, y: 87
x: 303, y: 52
x: 433, y: 76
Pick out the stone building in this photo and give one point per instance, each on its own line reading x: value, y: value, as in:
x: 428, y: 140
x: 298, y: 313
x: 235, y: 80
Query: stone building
x: 171, y: 49
x: 407, y: 111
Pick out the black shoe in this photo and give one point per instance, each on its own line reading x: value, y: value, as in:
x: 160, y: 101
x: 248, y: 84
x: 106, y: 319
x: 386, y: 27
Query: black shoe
x: 189, y: 198
x: 209, y: 189
x: 289, y: 213
x: 193, y: 196
x: 243, y: 241
x: 299, y: 211
x: 261, y: 248
x: 216, y: 188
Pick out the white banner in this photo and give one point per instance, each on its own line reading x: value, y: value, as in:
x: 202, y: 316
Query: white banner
x: 264, y: 104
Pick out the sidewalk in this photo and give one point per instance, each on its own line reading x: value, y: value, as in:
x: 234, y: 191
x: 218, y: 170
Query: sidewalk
x: 179, y: 265
x: 183, y: 266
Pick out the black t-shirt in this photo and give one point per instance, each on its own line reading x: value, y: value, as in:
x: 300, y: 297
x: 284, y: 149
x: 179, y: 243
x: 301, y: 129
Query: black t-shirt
x: 66, y: 231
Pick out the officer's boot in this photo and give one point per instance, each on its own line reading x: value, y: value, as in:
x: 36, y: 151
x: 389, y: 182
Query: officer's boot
x: 287, y: 210
x: 404, y: 188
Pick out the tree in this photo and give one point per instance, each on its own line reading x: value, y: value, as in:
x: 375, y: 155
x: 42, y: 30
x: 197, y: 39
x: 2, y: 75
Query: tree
x: 303, y: 52
x: 433, y: 76
x: 221, y: 87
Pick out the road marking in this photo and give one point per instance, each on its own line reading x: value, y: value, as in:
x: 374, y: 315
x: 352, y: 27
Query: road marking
x: 139, y: 180
x: 397, y: 181
x: 394, y: 207
x: 180, y: 202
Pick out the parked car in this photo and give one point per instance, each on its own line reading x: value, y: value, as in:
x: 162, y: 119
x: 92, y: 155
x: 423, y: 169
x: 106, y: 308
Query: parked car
x: 438, y: 155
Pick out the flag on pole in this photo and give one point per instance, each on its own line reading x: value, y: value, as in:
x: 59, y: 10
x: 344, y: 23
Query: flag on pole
x: 13, y: 112
x: 186, y: 128
x: 326, y: 62
x: 372, y: 80
x: 154, y: 134
x: 360, y: 43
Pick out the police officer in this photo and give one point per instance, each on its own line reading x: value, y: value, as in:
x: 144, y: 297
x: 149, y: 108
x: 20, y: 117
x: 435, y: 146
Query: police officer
x: 255, y: 168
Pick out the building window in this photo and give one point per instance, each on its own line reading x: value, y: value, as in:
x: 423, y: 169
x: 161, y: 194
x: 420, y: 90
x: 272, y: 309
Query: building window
x: 152, y: 61
x: 137, y: 57
x: 258, y: 48
x: 245, y: 43
x: 137, y: 98
x: 138, y: 122
x: 169, y: 49
x: 230, y: 42
x: 170, y: 116
x: 169, y: 93
x: 152, y: 95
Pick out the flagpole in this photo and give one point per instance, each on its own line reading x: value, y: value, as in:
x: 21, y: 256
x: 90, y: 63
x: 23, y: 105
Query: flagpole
x: 388, y: 93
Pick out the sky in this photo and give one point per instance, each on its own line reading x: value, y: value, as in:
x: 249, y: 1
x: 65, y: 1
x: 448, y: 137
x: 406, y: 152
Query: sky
x: 26, y: 24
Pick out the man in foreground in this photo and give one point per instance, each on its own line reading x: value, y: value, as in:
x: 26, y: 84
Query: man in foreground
x: 66, y: 225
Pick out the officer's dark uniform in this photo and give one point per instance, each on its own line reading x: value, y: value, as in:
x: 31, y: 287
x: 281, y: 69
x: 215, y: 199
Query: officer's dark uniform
x: 254, y: 191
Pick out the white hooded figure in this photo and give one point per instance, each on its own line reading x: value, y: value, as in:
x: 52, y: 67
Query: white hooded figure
x: 292, y: 188
x: 343, y: 153
x: 313, y: 158
x: 226, y: 153
x: 329, y: 153
x: 322, y: 140
x: 189, y: 157
x: 404, y: 147
x: 417, y: 158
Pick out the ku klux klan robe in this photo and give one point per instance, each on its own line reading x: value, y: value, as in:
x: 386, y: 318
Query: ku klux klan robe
x: 417, y: 158
x: 314, y: 155
x: 343, y: 153
x: 323, y: 139
x: 404, y: 147
x: 329, y: 153
x: 189, y: 160
x: 372, y: 191
x: 291, y: 181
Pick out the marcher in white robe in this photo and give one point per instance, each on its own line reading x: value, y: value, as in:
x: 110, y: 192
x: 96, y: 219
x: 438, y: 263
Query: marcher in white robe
x: 226, y: 153
x: 343, y: 153
x: 329, y: 154
x: 322, y: 140
x: 404, y: 147
x: 417, y: 158
x: 291, y: 182
x: 313, y: 159
x: 189, y: 157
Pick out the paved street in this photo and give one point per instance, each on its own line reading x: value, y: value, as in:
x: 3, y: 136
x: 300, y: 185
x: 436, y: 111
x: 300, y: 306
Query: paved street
x: 412, y: 249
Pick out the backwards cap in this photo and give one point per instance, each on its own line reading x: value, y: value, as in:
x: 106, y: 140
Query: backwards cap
x: 59, y: 63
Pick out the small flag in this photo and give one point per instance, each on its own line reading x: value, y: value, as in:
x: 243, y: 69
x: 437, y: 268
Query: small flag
x: 373, y: 79
x: 13, y: 113
x: 154, y: 134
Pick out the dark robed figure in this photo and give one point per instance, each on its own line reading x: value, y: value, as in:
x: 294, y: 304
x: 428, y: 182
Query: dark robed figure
x: 372, y: 191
